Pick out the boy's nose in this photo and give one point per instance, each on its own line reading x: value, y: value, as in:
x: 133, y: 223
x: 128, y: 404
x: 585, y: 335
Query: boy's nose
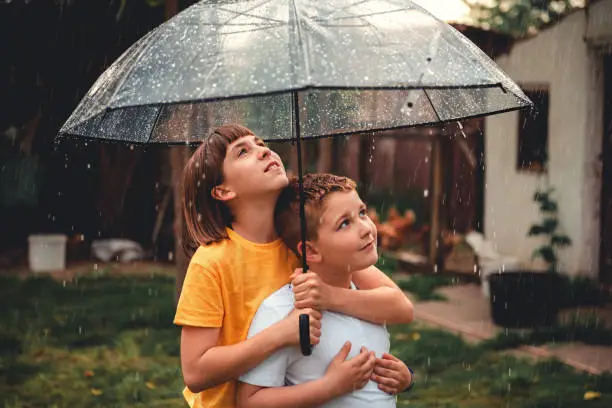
x: 366, y: 228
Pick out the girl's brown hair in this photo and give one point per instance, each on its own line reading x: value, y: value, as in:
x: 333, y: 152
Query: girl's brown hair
x: 205, y: 217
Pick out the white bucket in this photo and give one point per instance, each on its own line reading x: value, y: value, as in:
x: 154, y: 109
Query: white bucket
x: 47, y: 252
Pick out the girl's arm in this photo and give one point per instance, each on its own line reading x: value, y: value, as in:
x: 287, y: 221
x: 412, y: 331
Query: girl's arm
x: 379, y: 299
x: 206, y: 365
x: 306, y: 395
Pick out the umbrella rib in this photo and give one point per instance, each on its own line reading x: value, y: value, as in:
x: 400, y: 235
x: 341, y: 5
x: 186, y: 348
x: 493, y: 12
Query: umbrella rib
x: 246, y: 13
x: 259, y: 28
x: 300, y: 41
x: 432, y: 105
x: 349, y: 6
x: 376, y: 13
x: 131, y: 68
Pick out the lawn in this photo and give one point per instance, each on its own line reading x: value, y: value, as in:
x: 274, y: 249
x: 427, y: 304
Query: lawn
x: 108, y: 341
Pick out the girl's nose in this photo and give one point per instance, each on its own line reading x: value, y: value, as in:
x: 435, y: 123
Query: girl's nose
x: 264, y: 152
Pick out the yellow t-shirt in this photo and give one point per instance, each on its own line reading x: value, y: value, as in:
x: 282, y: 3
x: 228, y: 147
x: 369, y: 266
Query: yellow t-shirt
x: 225, y: 284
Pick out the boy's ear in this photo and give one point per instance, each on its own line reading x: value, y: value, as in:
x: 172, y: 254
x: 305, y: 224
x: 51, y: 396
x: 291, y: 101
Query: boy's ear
x: 312, y: 253
x: 222, y: 193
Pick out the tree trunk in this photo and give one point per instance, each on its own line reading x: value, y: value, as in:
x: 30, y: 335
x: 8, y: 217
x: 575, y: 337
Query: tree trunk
x: 178, y: 157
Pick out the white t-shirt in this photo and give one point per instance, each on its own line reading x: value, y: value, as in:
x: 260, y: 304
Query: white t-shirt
x: 288, y: 366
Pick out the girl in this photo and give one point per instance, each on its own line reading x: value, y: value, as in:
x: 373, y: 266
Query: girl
x: 232, y: 184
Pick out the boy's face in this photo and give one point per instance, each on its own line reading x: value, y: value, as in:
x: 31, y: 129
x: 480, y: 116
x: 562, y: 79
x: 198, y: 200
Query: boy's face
x: 346, y: 235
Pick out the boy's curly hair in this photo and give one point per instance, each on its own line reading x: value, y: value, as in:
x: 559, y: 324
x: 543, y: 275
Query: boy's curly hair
x: 317, y: 186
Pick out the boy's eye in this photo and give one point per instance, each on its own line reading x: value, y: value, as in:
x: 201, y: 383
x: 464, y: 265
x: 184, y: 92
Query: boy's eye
x: 242, y: 152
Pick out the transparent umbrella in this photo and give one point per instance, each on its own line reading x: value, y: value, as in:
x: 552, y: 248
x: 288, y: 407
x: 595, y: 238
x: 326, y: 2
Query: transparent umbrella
x: 292, y: 69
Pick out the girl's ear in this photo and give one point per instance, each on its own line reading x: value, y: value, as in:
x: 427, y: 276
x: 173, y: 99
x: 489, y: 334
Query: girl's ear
x: 313, y: 256
x: 222, y: 193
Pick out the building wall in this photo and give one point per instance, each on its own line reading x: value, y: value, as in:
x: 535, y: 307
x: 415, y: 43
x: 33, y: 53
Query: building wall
x: 557, y: 57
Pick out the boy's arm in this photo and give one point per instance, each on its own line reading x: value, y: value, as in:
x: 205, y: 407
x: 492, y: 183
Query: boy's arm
x: 379, y: 299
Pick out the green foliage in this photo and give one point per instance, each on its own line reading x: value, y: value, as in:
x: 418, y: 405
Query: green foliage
x: 548, y: 227
x: 424, y: 286
x: 519, y: 17
x: 585, y: 329
x: 387, y: 264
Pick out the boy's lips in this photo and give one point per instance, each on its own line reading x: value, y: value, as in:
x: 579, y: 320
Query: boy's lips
x: 367, y: 246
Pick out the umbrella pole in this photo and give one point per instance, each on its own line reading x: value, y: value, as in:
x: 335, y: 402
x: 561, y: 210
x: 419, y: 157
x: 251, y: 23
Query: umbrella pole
x: 305, y: 345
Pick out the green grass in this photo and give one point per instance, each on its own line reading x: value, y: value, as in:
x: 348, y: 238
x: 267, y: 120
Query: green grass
x: 103, y: 341
x: 452, y: 373
x: 424, y: 286
x: 98, y: 341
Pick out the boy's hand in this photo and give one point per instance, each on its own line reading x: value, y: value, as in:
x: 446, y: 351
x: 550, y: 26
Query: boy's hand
x: 344, y: 375
x: 310, y: 291
x: 290, y: 326
x: 391, y: 374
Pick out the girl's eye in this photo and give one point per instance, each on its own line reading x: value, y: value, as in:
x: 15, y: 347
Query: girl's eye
x: 363, y: 213
x: 343, y: 224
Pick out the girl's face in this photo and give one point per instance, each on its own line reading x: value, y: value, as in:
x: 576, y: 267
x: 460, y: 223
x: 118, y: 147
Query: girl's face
x: 251, y: 169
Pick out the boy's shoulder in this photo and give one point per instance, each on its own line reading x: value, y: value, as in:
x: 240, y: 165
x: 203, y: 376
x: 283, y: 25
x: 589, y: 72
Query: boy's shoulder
x: 281, y: 300
x: 273, y: 309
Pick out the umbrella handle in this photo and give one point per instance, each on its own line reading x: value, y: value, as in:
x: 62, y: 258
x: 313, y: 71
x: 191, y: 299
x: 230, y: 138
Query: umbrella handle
x: 304, y: 326
x: 305, y: 345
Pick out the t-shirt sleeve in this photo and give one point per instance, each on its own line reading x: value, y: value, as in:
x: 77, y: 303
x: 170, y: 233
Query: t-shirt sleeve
x: 201, y: 302
x: 271, y: 372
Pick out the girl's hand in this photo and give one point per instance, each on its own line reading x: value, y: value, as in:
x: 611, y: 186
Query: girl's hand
x: 310, y: 291
x: 346, y: 376
x: 391, y: 374
x: 289, y: 327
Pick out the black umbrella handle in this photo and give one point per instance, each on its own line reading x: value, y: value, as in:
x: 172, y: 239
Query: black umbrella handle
x: 304, y: 327
x: 305, y: 345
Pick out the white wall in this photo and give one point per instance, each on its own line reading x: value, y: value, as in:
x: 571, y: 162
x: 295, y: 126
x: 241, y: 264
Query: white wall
x: 559, y: 58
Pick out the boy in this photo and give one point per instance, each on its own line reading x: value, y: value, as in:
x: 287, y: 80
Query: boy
x: 340, y: 238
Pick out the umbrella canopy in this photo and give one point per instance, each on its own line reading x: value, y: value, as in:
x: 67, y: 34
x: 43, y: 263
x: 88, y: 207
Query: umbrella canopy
x: 249, y: 62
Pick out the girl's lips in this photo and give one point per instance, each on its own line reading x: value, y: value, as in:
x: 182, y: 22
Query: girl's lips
x: 271, y: 166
